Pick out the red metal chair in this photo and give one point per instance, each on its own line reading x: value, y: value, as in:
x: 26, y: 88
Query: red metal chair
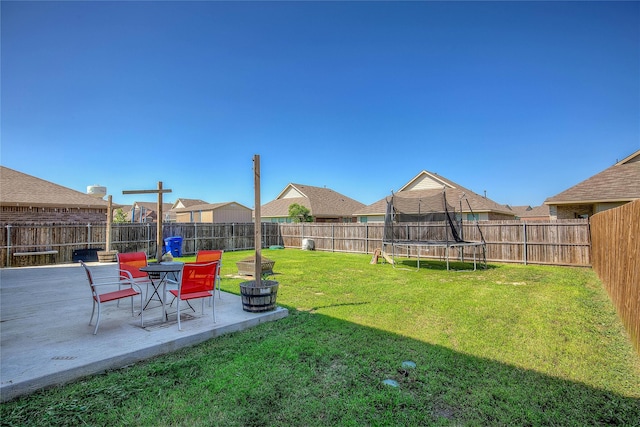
x: 205, y: 256
x: 131, y: 262
x: 197, y: 281
x: 124, y: 290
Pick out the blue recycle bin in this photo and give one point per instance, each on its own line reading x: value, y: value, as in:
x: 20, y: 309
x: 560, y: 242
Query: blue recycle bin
x: 173, y: 245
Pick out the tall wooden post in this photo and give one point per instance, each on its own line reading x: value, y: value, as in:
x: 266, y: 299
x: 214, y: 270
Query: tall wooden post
x: 257, y: 274
x: 159, y: 240
x: 109, y: 221
x: 159, y: 192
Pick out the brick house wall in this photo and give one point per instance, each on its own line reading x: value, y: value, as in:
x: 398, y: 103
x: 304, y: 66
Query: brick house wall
x: 493, y: 216
x: 16, y: 214
x: 569, y: 211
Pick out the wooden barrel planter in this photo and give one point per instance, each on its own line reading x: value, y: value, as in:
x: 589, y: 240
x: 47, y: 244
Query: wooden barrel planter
x: 246, y: 267
x: 257, y: 299
x: 107, y: 256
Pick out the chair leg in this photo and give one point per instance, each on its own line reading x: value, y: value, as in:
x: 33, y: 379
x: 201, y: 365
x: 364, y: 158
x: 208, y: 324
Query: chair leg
x: 178, y: 313
x: 141, y: 310
x: 217, y: 285
x: 92, y: 311
x: 95, y: 331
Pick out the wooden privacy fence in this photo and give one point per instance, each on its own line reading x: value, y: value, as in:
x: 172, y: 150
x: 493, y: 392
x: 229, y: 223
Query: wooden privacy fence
x: 71, y: 241
x: 616, y: 260
x: 563, y: 242
x: 556, y: 243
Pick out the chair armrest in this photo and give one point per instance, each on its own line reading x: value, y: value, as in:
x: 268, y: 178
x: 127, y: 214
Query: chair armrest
x: 110, y: 280
x: 117, y: 283
x: 125, y: 273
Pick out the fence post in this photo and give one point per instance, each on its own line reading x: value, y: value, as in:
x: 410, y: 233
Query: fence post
x: 8, y: 245
x: 233, y: 235
x: 524, y: 237
x: 366, y: 238
x: 195, y: 238
x: 147, y: 239
x: 333, y: 238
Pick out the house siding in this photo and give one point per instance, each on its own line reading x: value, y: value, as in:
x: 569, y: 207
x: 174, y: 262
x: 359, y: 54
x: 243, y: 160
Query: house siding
x: 370, y: 218
x: 230, y: 214
x: 183, y: 217
x: 291, y: 193
x: 206, y: 216
x: 601, y: 207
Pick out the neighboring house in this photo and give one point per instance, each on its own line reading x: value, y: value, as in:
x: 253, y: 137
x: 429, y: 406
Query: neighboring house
x: 182, y: 203
x: 228, y: 212
x: 185, y: 203
x: 608, y: 189
x: 324, y: 204
x: 147, y: 212
x: 528, y: 213
x: 426, y: 185
x: 25, y: 198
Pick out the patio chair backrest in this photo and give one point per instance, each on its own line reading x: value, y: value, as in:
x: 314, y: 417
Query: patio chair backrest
x: 92, y: 283
x: 132, y: 262
x: 89, y: 276
x: 208, y: 256
x: 198, y: 277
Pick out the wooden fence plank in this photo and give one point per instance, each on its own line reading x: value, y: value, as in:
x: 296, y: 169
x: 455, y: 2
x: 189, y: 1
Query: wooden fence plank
x: 616, y: 260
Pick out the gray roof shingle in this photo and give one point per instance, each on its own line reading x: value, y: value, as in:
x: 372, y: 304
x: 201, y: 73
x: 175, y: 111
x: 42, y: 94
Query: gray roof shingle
x: 20, y: 189
x: 322, y: 202
x: 455, y: 193
x: 619, y: 183
x: 531, y: 212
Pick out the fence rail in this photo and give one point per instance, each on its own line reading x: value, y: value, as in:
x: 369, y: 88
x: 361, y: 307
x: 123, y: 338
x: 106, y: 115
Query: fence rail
x: 557, y: 243
x: 616, y: 260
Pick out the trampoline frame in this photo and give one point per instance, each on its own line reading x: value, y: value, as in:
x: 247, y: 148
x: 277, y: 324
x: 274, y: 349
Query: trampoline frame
x: 436, y: 244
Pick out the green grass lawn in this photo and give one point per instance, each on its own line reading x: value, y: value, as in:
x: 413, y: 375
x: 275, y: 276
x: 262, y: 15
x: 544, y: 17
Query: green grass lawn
x: 510, y: 345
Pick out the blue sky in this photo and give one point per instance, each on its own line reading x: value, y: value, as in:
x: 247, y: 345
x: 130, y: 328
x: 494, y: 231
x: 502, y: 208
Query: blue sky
x: 521, y: 99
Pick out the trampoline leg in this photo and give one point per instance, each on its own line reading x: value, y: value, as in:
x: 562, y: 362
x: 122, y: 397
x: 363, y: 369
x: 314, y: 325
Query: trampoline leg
x: 446, y: 254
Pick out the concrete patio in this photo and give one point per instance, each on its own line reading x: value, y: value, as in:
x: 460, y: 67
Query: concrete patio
x: 46, y: 339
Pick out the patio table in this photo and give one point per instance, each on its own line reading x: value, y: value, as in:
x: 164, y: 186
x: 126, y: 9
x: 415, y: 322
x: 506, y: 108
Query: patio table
x: 158, y: 277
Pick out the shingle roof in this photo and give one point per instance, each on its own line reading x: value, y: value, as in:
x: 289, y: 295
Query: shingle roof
x: 189, y: 202
x: 530, y: 212
x: 20, y: 189
x: 619, y: 183
x: 455, y: 193
x: 207, y: 207
x: 322, y: 202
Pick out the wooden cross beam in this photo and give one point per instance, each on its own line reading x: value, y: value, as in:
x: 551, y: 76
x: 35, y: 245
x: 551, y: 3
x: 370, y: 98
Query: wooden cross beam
x: 159, y: 192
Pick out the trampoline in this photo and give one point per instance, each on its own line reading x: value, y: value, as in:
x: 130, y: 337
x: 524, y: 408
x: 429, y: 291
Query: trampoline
x: 419, y: 225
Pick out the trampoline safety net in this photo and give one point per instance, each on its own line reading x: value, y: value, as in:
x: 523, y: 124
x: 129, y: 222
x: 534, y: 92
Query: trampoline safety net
x: 432, y: 219
x: 427, y: 222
